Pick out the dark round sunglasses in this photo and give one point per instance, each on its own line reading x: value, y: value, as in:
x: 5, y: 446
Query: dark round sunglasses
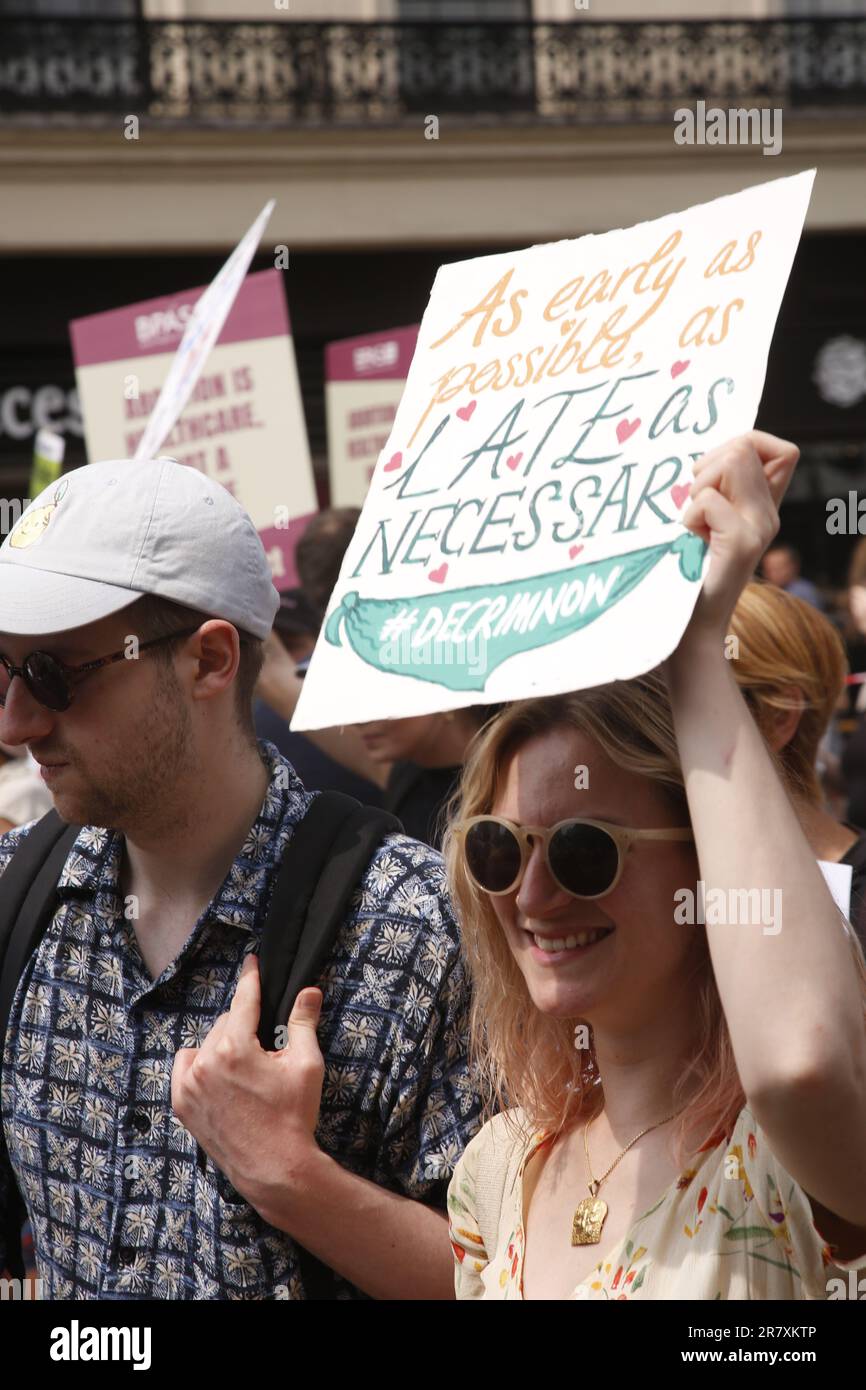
x: 585, y: 857
x: 51, y: 682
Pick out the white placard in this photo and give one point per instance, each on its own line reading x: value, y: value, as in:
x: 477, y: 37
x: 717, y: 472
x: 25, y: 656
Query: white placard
x: 521, y: 534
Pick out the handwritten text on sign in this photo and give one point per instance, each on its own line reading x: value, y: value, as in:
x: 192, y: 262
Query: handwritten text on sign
x: 521, y: 534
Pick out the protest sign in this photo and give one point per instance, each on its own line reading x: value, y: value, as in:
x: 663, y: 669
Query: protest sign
x: 244, y: 421
x: 201, y: 332
x: 522, y: 530
x: 364, y: 379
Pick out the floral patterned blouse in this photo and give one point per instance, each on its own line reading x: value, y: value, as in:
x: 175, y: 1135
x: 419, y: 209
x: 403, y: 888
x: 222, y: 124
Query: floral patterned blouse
x: 734, y: 1225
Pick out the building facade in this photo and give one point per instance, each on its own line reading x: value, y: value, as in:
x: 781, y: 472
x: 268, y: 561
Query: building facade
x: 138, y: 139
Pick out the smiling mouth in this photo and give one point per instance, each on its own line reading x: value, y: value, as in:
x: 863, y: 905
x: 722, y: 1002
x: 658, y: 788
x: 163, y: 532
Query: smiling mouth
x: 551, y: 944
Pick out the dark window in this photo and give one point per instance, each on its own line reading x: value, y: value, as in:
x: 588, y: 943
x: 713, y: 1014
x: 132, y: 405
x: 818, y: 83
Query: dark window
x: 71, y: 9
x: 491, y: 10
x: 823, y: 9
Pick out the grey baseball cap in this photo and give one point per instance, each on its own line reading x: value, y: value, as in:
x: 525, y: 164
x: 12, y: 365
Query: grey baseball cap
x: 105, y: 534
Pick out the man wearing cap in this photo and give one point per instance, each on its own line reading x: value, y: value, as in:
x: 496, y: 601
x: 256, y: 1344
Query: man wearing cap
x: 134, y: 598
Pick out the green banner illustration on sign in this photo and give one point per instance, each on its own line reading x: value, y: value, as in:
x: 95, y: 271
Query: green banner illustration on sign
x: 458, y: 640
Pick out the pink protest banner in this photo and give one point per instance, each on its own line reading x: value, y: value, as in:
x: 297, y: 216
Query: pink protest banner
x: 364, y: 379
x: 243, y: 424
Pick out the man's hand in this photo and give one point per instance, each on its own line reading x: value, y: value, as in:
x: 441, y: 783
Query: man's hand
x: 254, y: 1112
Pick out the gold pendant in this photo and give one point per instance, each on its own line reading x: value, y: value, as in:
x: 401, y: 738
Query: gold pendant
x: 588, y: 1221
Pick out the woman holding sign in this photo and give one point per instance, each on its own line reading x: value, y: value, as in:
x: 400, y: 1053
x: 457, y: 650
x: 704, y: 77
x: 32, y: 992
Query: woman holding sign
x: 664, y: 992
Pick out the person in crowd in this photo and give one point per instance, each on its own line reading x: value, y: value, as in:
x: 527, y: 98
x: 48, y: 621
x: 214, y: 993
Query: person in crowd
x: 414, y: 762
x: 683, y: 1067
x: 790, y: 664
x: 854, y: 754
x: 280, y: 683
x: 295, y: 630
x: 422, y: 757
x: 147, y: 594
x: 781, y: 566
x: 345, y: 763
x: 320, y: 550
x: 23, y: 795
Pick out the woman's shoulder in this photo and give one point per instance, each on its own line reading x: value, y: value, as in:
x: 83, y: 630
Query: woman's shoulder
x: 501, y: 1141
x: 482, y: 1186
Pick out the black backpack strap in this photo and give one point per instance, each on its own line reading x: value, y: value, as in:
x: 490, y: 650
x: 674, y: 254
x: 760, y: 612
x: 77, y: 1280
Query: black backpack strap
x: 27, y: 900
x: 323, y: 865
x: 28, y: 897
x: 326, y: 858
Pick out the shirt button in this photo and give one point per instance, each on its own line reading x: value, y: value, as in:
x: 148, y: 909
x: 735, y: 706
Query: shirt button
x: 141, y: 1122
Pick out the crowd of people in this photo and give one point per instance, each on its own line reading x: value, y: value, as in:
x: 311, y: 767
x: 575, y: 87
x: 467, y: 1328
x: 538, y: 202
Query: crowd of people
x: 516, y: 1069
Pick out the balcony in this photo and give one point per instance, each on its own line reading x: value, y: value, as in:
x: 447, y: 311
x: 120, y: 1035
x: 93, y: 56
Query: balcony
x: 286, y: 74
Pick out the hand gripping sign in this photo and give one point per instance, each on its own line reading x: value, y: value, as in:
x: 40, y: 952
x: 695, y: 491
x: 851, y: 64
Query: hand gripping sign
x: 522, y: 534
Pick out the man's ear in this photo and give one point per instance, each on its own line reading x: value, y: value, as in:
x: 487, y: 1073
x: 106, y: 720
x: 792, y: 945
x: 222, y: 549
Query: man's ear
x: 785, y: 722
x: 217, y: 650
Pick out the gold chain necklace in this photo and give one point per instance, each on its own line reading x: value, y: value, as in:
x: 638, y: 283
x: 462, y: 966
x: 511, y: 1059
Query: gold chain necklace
x: 591, y: 1211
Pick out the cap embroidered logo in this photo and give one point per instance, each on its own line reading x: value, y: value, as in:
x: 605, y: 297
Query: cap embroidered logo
x: 33, y: 524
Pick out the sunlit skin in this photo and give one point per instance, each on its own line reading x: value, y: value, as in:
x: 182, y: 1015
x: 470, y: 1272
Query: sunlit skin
x: 629, y: 973
x: 635, y: 987
x: 118, y: 755
x: 141, y: 749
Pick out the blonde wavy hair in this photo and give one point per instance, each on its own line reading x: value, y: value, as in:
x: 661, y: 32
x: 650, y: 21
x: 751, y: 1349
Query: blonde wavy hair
x: 789, y: 657
x: 520, y: 1056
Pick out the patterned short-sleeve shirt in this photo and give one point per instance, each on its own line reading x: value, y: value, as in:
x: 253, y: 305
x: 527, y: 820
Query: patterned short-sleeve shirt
x: 119, y: 1205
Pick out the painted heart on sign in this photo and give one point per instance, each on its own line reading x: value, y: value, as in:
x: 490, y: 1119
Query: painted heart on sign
x: 626, y: 428
x: 574, y: 550
x: 465, y: 411
x: 393, y: 462
x: 679, y: 367
x: 513, y: 462
x: 438, y: 576
x: 680, y: 492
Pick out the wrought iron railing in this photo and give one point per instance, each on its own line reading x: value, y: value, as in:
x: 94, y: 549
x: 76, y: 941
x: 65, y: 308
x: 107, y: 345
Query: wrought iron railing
x: 293, y: 73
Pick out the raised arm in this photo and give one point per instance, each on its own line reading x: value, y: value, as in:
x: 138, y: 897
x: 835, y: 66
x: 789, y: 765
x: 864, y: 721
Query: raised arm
x: 792, y: 997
